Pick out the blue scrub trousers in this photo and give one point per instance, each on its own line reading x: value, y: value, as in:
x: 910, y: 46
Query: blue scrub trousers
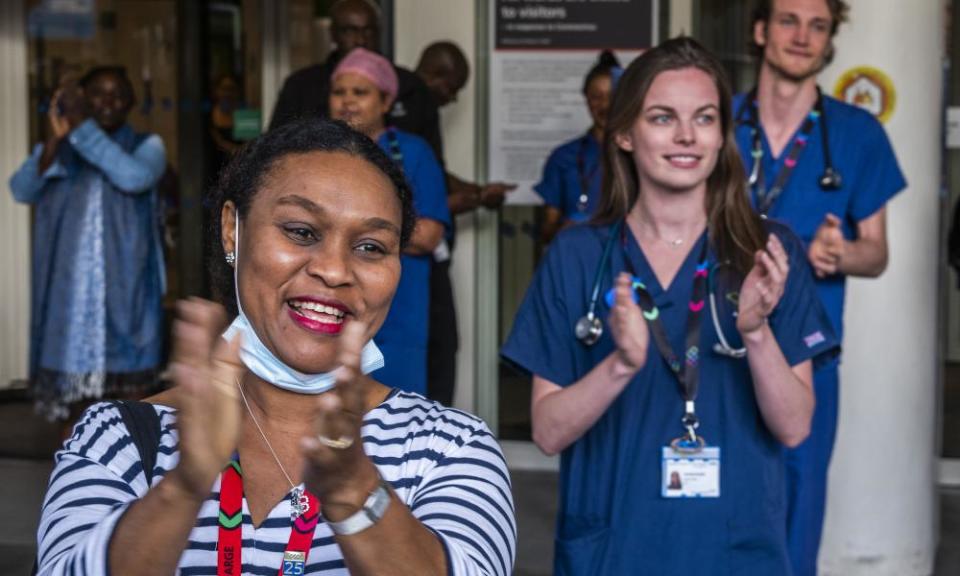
x: 807, y: 466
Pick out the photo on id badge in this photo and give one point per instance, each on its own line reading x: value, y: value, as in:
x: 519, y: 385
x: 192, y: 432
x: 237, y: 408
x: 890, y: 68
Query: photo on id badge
x: 689, y: 474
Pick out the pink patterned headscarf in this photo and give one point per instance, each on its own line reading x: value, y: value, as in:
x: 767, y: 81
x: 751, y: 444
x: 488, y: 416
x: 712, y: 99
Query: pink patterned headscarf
x: 372, y: 66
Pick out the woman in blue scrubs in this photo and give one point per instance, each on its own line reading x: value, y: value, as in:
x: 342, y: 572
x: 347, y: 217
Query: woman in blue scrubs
x: 666, y: 388
x: 570, y: 186
x: 363, y: 90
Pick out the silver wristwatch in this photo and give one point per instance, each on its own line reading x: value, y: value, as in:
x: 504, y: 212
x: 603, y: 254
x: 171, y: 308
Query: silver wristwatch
x: 371, y: 513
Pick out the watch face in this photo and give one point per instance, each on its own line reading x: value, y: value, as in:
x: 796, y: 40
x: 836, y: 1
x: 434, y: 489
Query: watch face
x: 371, y: 513
x: 377, y: 503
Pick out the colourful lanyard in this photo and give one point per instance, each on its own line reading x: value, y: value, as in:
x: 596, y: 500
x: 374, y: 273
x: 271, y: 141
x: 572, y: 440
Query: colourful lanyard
x: 584, y: 177
x: 685, y: 371
x: 766, y: 198
x: 230, y: 536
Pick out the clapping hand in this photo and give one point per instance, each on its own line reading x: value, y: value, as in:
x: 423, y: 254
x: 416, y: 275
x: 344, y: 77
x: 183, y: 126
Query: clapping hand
x: 629, y: 329
x: 338, y: 471
x: 206, y: 369
x: 763, y: 287
x: 826, y: 249
x: 67, y: 110
x: 59, y: 125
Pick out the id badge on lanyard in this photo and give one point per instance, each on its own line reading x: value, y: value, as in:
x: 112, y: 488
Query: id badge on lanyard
x: 230, y: 531
x: 690, y: 473
x: 689, y: 467
x: 293, y: 563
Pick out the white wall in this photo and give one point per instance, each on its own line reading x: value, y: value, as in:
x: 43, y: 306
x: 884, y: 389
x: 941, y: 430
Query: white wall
x: 681, y: 17
x: 881, y: 518
x: 418, y: 23
x: 275, y: 56
x: 14, y: 218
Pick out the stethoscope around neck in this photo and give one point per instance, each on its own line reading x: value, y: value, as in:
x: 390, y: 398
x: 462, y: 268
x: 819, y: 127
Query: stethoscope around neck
x: 589, y: 328
x: 748, y: 114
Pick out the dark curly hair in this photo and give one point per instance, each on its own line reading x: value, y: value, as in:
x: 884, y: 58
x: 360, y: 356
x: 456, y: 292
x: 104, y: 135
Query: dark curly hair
x: 242, y: 178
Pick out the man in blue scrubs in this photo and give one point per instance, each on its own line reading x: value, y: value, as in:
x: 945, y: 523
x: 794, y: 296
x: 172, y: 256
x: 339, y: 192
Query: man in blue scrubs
x: 827, y: 169
x: 443, y: 67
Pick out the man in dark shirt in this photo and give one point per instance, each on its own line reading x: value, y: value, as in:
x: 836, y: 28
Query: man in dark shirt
x: 444, y: 69
x: 306, y: 92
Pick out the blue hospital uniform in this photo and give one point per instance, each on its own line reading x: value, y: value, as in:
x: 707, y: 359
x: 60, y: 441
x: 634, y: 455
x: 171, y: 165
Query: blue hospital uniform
x: 403, y: 336
x: 860, y: 151
x: 612, y: 518
x: 561, y: 184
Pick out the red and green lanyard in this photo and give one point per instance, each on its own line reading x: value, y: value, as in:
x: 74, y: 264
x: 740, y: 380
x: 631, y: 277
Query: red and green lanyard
x: 230, y: 537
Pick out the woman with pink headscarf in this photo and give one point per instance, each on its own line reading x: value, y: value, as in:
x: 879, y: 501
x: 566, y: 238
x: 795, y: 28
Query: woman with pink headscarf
x: 363, y: 90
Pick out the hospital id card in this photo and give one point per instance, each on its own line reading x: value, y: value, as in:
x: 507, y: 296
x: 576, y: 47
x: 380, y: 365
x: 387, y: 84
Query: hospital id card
x: 691, y: 474
x: 293, y: 563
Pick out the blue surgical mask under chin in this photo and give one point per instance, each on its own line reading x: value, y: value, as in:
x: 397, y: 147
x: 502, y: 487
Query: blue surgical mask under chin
x: 264, y: 363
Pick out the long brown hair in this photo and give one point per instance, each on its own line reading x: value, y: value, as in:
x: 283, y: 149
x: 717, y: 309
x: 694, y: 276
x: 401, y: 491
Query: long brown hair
x: 736, y: 231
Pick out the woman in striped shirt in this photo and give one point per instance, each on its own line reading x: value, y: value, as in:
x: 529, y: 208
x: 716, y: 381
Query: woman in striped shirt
x: 278, y: 454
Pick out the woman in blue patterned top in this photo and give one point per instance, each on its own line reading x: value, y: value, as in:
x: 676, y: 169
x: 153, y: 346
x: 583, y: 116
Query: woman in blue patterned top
x: 98, y: 278
x: 278, y: 453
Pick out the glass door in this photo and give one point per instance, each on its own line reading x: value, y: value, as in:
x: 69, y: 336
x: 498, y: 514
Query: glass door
x: 196, y: 70
x: 950, y: 286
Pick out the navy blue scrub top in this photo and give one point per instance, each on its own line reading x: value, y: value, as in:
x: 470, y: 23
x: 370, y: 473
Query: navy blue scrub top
x: 403, y: 336
x: 561, y: 184
x: 860, y: 152
x: 612, y: 518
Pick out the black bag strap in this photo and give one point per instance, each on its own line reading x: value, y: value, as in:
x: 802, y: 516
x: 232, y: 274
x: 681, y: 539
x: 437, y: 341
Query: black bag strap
x: 953, y: 242
x: 143, y: 424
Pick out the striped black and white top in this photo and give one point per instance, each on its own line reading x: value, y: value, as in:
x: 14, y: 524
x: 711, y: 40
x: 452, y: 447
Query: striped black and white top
x: 445, y: 465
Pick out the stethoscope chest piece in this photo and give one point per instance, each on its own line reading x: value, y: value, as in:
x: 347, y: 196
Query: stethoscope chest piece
x: 588, y: 329
x: 831, y: 180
